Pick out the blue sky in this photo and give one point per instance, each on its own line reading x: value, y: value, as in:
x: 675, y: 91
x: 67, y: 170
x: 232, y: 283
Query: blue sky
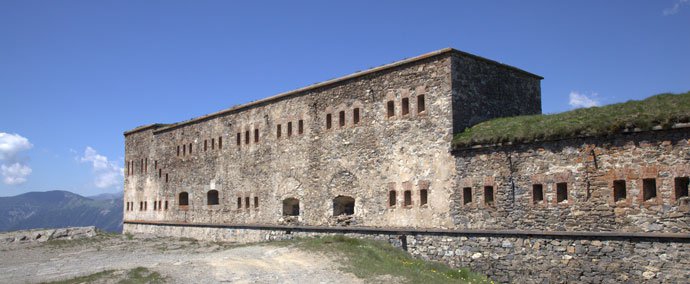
x: 75, y: 74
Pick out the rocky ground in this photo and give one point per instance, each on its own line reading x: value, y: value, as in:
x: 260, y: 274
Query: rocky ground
x: 27, y: 259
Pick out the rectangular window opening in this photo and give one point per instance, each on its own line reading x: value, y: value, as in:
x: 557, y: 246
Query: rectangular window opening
x: 561, y: 192
x: 239, y: 139
x: 239, y: 203
x: 246, y: 202
x: 681, y: 187
x: 466, y: 195
x: 178, y: 150
x: 489, y: 195
x: 300, y: 127
x: 329, y: 122
x: 246, y: 137
x: 166, y: 205
x: 160, y: 173
x: 220, y: 143
x: 213, y: 143
x: 190, y: 148
x: 342, y: 118
x: 166, y: 177
x: 279, y: 131
x: 256, y: 202
x: 649, y: 189
x: 289, y: 129
x: 184, y: 150
x: 423, y: 197
x: 355, y: 116
x: 620, y: 192
x: 537, y: 193
x: 256, y: 135
x: 420, y: 104
x: 205, y: 144
x: 391, y: 109
x: 392, y: 198
x: 408, y: 198
x: 405, y: 106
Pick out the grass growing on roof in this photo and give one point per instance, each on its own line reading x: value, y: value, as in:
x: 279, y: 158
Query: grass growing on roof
x: 370, y: 259
x: 661, y: 110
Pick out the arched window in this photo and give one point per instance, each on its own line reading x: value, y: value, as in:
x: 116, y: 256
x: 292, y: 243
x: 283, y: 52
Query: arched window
x: 212, y: 197
x: 291, y: 207
x: 343, y: 205
x: 183, y: 199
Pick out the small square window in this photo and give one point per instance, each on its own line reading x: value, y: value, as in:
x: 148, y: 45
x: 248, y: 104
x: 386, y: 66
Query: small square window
x: 405, y: 106
x: 681, y: 187
x: 489, y: 195
x: 466, y: 195
x: 619, y: 191
x: 649, y: 189
x: 561, y: 192
x: 537, y: 193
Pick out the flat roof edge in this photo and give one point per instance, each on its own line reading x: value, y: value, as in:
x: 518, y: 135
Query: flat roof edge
x: 168, y: 127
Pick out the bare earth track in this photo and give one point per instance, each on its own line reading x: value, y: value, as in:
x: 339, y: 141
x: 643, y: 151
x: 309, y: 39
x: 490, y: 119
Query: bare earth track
x: 177, y: 260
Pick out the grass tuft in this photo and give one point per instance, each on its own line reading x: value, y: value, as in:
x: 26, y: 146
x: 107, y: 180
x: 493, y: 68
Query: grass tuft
x: 370, y: 259
x: 662, y: 110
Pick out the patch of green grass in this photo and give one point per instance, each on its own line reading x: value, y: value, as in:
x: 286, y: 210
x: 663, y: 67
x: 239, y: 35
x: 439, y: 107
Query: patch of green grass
x: 369, y: 259
x: 661, y: 110
x: 139, y: 275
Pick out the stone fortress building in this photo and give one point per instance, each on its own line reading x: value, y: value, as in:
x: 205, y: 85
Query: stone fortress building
x: 371, y: 154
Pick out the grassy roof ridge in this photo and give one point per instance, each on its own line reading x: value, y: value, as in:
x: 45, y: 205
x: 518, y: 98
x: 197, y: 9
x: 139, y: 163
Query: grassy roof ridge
x: 662, y: 110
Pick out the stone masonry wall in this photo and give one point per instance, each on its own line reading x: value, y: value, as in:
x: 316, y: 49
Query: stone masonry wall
x: 587, y: 170
x: 504, y: 258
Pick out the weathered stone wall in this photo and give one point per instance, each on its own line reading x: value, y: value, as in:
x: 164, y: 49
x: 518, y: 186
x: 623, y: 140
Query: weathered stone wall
x: 588, y: 167
x: 315, y: 166
x: 504, y: 258
x: 484, y: 91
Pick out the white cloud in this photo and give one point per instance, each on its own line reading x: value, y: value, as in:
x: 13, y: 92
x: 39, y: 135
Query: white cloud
x: 15, y: 173
x: 676, y: 6
x: 13, y: 167
x: 578, y: 100
x: 107, y: 173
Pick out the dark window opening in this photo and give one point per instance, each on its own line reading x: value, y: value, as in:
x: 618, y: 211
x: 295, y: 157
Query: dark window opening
x: 127, y: 206
x: 620, y: 192
x: 407, y: 196
x: 279, y: 131
x: 155, y: 205
x: 205, y: 144
x: 649, y: 189
x: 213, y: 143
x: 146, y: 164
x: 141, y: 205
x: 256, y: 135
x: 423, y: 197
x: 220, y: 143
x: 466, y: 195
x: 146, y: 206
x: 141, y: 166
x: 405, y: 106
x: 212, y: 197
x: 166, y: 177
x: 537, y: 193
x: 160, y: 173
x: 239, y: 139
x: 155, y: 164
x: 341, y: 117
x: 420, y: 104
x: 300, y: 126
x: 166, y: 205
x: 256, y: 202
x: 246, y: 137
x: 392, y: 198
x: 561, y: 192
x: 343, y: 205
x: 183, y: 199
x: 184, y: 149
x: 329, y: 122
x: 391, y: 109
x: 681, y: 187
x: 239, y: 203
x: 291, y: 207
x: 190, y: 148
x: 246, y: 202
x: 289, y: 129
x: 355, y: 116
x: 178, y: 150
x: 489, y: 195
x: 159, y: 205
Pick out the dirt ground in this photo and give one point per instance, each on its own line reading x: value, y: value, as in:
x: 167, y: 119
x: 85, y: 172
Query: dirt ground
x: 177, y: 260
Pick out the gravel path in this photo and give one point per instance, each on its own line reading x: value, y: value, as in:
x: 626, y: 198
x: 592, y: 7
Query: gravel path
x: 179, y: 261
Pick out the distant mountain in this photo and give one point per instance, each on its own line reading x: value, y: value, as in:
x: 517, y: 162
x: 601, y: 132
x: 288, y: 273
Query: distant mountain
x: 57, y: 209
x: 107, y: 196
